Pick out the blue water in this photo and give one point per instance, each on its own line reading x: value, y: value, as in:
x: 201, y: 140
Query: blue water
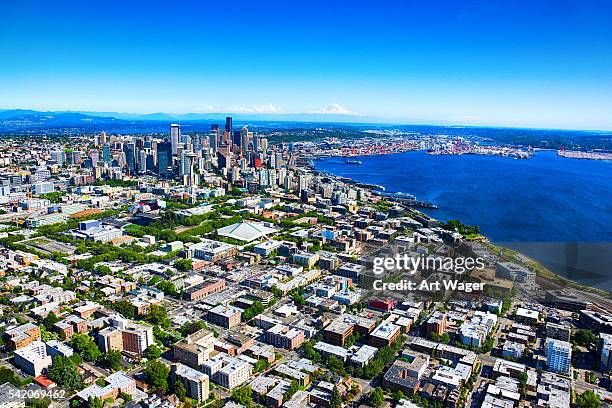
x: 543, y: 199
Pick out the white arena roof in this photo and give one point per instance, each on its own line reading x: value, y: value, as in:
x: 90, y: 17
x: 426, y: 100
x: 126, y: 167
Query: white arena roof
x: 246, y: 231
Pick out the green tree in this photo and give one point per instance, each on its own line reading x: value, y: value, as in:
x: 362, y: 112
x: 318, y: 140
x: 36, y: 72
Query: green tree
x: 39, y: 403
x: 293, y: 388
x: 298, y: 299
x: 334, y: 363
x: 310, y: 353
x: 180, y: 391
x: 588, y: 399
x: 183, y: 264
x: 125, y: 308
x: 64, y: 373
x: 167, y: 287
x: 85, y: 346
x: 584, y: 337
x: 95, y: 402
x: 243, y: 396
x: 261, y: 366
x: 336, y: 400
x: 153, y: 352
x: 50, y: 320
x: 256, y: 308
x: 377, y: 397
x: 191, y: 327
x: 276, y: 292
x: 103, y: 270
x: 7, y: 375
x: 398, y: 396
x: 111, y: 360
x: 158, y: 315
x: 156, y: 374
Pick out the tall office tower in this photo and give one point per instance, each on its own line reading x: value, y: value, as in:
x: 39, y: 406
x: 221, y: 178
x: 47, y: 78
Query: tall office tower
x: 164, y: 160
x: 150, y: 161
x: 196, y: 143
x: 184, y: 163
x: 130, y: 157
x: 103, y: 138
x: 175, y: 134
x: 226, y: 139
x: 244, y: 140
x: 185, y: 139
x: 213, y: 142
x: 106, y: 153
x: 228, y: 125
x: 236, y: 137
x: 142, y: 161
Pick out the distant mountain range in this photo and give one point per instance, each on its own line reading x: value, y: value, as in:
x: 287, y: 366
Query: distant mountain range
x: 25, y: 118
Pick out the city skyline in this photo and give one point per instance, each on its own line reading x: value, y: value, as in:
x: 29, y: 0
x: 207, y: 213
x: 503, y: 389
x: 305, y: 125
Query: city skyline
x: 480, y: 64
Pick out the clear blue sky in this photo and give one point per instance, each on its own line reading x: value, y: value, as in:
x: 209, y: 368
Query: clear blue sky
x: 510, y: 63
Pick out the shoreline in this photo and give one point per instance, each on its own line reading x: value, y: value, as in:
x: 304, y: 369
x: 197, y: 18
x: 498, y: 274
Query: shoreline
x: 541, y: 270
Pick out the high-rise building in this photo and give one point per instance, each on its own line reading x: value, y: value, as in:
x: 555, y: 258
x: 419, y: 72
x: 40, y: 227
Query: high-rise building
x: 130, y: 157
x: 164, y: 160
x: 106, y: 153
x: 103, y: 138
x: 175, y: 135
x: 558, y: 356
x: 604, y: 347
x: 244, y: 139
x: 214, y: 139
x: 236, y: 137
x: 142, y: 161
x: 228, y: 125
x: 58, y: 157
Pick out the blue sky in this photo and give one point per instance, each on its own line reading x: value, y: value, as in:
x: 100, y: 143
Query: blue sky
x: 507, y: 63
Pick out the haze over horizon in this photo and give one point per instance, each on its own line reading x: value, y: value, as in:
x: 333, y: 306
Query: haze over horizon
x: 544, y: 65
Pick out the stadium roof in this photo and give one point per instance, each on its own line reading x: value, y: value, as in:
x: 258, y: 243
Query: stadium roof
x: 246, y: 231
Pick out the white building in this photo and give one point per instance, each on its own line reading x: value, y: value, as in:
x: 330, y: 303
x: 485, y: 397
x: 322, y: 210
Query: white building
x: 513, y: 349
x: 229, y: 372
x: 195, y: 382
x: 33, y: 359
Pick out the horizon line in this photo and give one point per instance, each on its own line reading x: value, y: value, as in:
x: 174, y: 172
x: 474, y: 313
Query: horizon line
x: 386, y: 121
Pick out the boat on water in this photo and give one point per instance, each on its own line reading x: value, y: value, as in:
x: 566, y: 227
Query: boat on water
x: 398, y: 194
x: 352, y: 161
